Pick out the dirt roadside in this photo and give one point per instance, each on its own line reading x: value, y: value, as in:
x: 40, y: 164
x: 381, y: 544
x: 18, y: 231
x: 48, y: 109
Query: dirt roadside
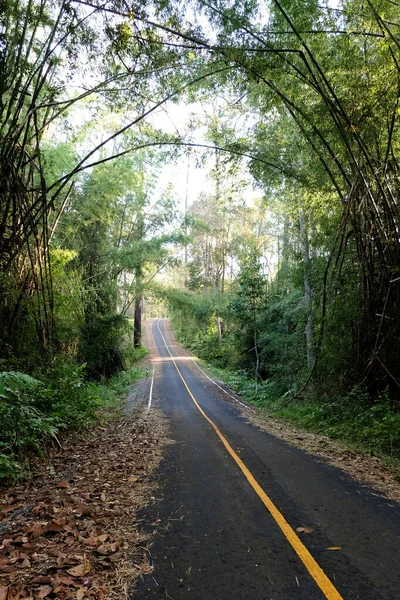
x: 71, y: 531
x: 368, y: 470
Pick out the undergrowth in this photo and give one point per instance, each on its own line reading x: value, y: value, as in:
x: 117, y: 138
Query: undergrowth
x: 373, y: 429
x: 34, y: 410
x: 112, y: 394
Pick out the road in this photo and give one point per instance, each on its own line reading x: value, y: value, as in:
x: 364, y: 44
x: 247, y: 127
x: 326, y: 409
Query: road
x: 231, y: 498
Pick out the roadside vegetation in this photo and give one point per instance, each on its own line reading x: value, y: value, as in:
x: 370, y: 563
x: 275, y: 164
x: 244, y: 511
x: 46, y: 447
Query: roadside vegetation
x: 324, y: 397
x: 34, y: 413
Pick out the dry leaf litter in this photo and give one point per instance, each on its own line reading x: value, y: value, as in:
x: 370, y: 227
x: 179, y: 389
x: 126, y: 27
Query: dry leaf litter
x: 71, y: 532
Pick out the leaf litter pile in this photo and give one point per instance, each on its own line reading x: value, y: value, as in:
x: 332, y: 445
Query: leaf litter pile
x: 72, y: 530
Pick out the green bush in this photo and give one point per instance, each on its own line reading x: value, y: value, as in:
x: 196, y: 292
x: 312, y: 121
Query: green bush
x: 133, y: 355
x: 116, y: 386
x: 8, y: 466
x: 67, y: 395
x: 353, y: 419
x: 31, y: 412
x: 24, y: 426
x: 102, y: 345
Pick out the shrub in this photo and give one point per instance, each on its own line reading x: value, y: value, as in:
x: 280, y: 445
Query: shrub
x: 31, y: 412
x: 24, y: 425
x: 101, y: 345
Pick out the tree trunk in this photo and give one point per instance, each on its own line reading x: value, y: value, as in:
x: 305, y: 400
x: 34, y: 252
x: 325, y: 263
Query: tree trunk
x: 219, y: 327
x: 284, y: 252
x: 256, y: 351
x: 307, y: 287
x: 137, y: 323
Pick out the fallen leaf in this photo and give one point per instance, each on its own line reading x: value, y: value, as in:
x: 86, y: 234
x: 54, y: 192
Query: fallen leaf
x: 63, y: 484
x: 304, y: 529
x: 37, y: 558
x: 44, y: 579
x: 57, y: 590
x: 54, y: 526
x: 91, y: 541
x: 44, y: 591
x: 334, y: 548
x: 65, y: 580
x: 79, y: 570
x: 20, y: 540
x: 8, y: 509
x: 37, y: 529
x: 3, y: 593
x: 80, y: 593
x: 107, y: 548
x: 82, y: 510
x: 36, y: 510
x: 7, y: 569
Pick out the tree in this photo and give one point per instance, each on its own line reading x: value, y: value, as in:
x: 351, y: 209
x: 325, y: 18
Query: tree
x: 43, y: 50
x: 250, y: 300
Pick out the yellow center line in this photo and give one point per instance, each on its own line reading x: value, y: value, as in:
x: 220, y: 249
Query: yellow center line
x: 323, y: 582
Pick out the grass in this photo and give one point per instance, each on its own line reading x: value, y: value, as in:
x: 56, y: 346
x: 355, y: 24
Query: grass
x: 112, y: 393
x: 371, y: 429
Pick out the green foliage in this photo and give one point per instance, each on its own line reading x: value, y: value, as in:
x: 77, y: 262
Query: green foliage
x: 24, y: 424
x: 194, y: 319
x: 67, y: 396
x: 34, y: 411
x: 251, y: 294
x: 9, y: 468
x: 102, y: 343
x: 132, y: 354
x: 68, y: 298
x: 248, y: 302
x: 113, y: 393
x: 372, y: 428
x: 282, y: 342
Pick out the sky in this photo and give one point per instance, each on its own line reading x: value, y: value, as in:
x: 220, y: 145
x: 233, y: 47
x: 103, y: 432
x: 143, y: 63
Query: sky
x: 187, y: 176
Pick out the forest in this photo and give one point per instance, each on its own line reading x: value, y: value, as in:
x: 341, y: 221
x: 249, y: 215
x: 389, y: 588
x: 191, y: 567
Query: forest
x: 282, y: 272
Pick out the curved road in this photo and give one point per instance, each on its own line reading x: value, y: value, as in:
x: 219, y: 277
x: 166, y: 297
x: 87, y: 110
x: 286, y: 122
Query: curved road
x: 233, y: 497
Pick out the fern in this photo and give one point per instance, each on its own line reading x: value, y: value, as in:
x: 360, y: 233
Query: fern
x: 16, y: 381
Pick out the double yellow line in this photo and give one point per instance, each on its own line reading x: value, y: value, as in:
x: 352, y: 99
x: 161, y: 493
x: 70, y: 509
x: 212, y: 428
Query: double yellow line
x: 323, y: 582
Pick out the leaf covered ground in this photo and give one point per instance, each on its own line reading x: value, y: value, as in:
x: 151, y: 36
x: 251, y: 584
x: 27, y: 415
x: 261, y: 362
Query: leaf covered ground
x: 71, y: 531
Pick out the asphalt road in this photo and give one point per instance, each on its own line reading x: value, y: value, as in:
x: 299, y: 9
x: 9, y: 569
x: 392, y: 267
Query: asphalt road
x: 231, y: 498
